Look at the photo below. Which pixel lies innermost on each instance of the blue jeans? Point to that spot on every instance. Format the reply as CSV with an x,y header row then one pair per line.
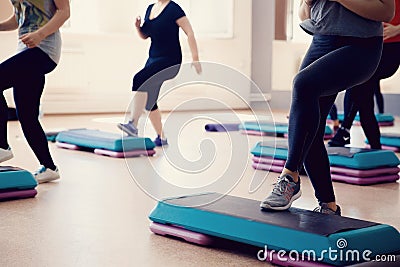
x,y
332,64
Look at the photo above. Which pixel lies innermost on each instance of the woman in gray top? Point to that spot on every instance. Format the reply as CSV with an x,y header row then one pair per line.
x,y
345,51
38,53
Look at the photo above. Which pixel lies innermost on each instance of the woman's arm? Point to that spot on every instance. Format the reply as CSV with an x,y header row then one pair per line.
x,y
138,29
390,30
379,10
62,14
9,24
304,10
184,23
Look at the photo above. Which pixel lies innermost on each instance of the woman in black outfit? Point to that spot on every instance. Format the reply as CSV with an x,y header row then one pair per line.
x,y
161,23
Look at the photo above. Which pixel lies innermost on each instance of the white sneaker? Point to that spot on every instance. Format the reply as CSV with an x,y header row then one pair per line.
x,y
5,154
44,175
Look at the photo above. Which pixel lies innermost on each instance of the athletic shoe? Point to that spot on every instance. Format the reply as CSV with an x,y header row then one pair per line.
x,y
323,208
128,128
44,175
160,142
284,193
341,138
5,154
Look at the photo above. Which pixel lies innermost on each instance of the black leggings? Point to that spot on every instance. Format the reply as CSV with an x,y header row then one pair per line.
x,y
331,65
361,98
25,73
153,75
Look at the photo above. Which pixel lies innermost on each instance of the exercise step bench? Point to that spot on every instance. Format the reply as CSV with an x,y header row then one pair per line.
x,y
350,165
105,143
273,129
202,218
16,183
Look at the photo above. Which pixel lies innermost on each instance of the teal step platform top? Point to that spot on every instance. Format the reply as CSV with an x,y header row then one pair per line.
x,y
16,178
380,117
294,231
270,127
104,140
350,157
389,139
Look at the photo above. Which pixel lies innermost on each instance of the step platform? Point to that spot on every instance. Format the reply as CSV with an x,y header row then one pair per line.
x,y
384,119
273,129
295,231
390,141
224,127
16,183
105,143
351,165
51,135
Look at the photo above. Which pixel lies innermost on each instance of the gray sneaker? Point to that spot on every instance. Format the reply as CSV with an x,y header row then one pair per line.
x,y
128,128
44,175
284,193
323,208
5,154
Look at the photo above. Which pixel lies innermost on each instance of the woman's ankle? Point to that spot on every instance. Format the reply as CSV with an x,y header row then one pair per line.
x,y
294,175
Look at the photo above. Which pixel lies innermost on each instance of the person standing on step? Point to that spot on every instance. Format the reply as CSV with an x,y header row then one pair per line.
x,y
161,23
38,52
345,51
361,97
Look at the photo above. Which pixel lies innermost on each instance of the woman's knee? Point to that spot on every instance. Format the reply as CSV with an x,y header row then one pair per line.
x,y
303,87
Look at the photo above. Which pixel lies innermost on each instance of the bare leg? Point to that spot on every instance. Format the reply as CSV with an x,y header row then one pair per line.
x,y
155,118
138,106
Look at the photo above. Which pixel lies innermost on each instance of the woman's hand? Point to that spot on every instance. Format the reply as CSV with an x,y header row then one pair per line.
x,y
138,22
32,39
390,30
197,66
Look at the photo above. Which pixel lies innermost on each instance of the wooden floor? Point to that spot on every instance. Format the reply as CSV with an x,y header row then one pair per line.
x,y
97,213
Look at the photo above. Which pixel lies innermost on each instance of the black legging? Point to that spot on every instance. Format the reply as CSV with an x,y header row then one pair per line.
x,y
153,75
25,73
331,64
361,98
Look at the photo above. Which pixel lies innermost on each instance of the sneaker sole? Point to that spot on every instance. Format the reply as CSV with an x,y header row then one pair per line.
x,y
268,207
126,130
47,180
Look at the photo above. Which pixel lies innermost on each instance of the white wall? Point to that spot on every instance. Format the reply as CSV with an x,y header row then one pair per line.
x,y
96,69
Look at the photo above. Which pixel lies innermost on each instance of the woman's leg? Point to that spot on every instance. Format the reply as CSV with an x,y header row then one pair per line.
x,y
11,71
14,70
363,95
342,68
349,63
317,159
342,136
379,99
388,66
137,109
27,93
155,118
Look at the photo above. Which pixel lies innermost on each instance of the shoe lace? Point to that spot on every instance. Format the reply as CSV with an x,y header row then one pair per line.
x,y
281,186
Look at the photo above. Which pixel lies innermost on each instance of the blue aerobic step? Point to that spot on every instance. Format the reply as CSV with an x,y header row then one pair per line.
x,y
16,178
332,239
270,127
104,140
390,139
385,117
354,158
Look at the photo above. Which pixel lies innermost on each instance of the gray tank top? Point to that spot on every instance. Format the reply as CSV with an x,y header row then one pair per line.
x,y
331,18
32,15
